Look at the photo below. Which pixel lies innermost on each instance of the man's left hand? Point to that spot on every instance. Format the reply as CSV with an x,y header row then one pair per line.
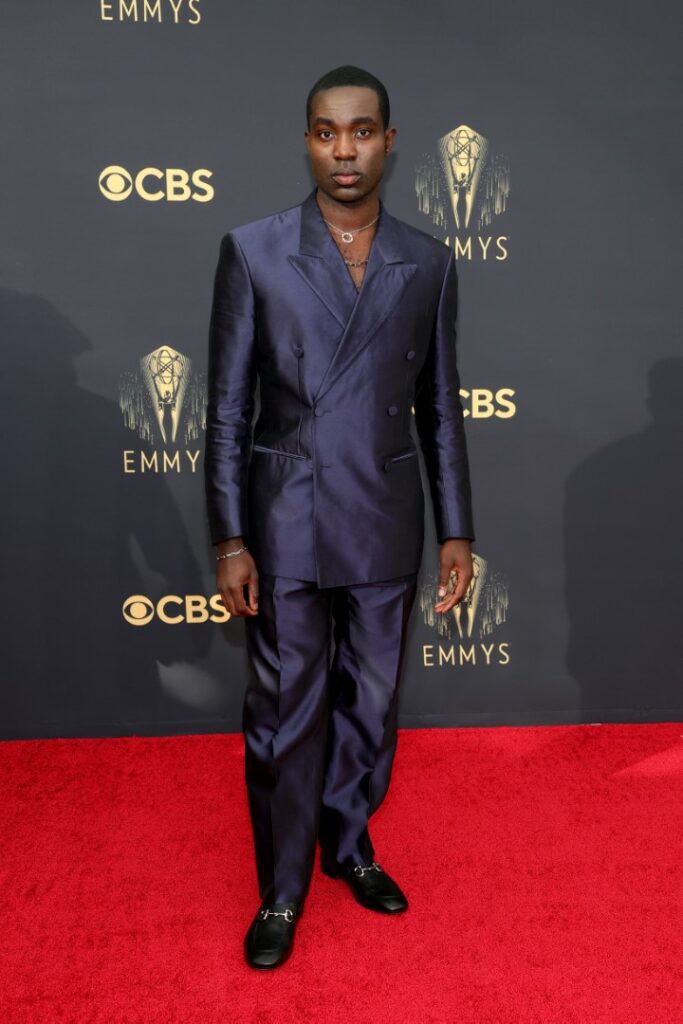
x,y
455,556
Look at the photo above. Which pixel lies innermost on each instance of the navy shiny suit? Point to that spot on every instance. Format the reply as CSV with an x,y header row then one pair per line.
x,y
328,495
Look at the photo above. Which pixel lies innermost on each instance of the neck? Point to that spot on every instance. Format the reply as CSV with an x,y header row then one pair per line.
x,y
353,214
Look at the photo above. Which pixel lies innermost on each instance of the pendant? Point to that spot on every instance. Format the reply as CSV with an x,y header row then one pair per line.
x,y
346,236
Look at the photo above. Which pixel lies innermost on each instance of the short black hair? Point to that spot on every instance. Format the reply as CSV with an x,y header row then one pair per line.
x,y
347,74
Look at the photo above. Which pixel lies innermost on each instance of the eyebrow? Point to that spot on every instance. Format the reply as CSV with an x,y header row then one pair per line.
x,y
354,120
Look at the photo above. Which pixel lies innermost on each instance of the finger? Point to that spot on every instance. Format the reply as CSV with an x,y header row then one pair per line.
x,y
461,587
448,602
456,595
227,601
237,594
444,580
445,605
252,585
254,591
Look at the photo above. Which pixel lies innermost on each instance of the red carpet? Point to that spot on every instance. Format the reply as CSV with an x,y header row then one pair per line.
x,y
543,866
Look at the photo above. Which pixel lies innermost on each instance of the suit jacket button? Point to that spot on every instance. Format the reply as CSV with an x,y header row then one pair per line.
x,y
318,411
392,410
410,354
298,351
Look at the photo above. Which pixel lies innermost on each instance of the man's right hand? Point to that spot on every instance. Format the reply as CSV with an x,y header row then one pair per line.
x,y
231,576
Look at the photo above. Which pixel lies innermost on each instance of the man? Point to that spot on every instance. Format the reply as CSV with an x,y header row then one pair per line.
x,y
346,315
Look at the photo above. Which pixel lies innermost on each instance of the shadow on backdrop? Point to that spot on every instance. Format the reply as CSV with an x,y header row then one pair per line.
x,y
79,537
624,510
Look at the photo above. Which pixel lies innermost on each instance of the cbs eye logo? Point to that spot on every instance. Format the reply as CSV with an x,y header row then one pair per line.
x,y
173,184
138,610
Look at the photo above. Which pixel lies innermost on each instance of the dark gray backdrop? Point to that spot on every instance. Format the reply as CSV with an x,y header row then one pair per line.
x,y
577,496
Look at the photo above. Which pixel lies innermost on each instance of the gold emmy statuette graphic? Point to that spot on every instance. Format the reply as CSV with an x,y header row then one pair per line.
x,y
464,185
463,156
166,373
164,391
484,606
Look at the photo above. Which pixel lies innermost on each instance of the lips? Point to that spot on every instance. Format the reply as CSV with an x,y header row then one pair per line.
x,y
346,179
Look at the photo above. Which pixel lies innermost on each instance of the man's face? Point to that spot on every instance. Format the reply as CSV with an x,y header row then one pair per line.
x,y
347,143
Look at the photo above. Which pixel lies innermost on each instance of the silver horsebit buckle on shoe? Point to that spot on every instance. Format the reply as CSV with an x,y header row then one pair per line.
x,y
358,870
287,914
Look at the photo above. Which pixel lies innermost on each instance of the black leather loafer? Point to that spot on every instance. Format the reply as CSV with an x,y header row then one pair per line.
x,y
268,942
372,887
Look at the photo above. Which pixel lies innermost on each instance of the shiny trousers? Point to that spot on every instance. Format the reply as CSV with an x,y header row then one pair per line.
x,y
320,731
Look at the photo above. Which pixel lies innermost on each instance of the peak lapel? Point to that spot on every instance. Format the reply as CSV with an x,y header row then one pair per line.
x,y
319,261
360,313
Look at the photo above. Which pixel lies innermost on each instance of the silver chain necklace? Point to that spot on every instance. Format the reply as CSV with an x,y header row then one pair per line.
x,y
346,236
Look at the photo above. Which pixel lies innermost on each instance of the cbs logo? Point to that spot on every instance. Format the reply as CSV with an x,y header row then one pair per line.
x,y
174,184
138,610
480,403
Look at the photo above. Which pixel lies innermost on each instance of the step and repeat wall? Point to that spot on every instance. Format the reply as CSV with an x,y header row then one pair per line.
x,y
541,143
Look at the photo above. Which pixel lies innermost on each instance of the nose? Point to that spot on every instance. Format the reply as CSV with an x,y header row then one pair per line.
x,y
345,146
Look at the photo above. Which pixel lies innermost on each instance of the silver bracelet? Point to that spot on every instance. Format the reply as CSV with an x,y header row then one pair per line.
x,y
229,554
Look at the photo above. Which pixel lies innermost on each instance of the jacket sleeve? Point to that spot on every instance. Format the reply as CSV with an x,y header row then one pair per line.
x,y
230,401
440,422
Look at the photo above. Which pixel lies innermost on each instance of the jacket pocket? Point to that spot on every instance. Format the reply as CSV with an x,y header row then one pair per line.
x,y
393,459
277,451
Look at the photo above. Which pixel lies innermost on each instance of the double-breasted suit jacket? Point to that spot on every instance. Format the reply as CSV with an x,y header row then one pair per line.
x,y
326,485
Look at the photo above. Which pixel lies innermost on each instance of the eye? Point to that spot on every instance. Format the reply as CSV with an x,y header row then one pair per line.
x,y
325,131
368,130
